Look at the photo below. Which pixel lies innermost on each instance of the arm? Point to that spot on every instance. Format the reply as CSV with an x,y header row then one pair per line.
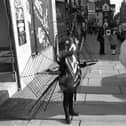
x,y
65,53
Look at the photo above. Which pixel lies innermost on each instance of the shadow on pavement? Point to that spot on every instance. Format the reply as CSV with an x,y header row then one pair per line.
x,y
20,108
15,109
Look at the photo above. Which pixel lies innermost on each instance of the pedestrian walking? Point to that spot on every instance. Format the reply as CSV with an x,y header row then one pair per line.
x,y
112,38
113,43
100,38
83,31
69,79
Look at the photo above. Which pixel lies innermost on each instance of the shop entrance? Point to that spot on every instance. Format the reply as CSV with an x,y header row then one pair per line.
x,y
7,53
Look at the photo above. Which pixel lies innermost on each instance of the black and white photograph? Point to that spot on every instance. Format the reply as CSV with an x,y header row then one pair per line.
x,y
62,62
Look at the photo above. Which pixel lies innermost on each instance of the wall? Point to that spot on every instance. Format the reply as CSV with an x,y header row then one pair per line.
x,y
4,32
27,64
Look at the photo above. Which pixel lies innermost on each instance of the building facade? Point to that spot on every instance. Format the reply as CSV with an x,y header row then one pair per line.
x,y
31,26
123,12
106,9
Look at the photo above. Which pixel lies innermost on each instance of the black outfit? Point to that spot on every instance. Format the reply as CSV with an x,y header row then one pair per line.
x,y
68,94
100,38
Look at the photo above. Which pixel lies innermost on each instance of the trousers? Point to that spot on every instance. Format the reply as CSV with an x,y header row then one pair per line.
x,y
68,103
102,50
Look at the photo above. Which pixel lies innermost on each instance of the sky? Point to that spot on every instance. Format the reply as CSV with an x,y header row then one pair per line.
x,y
118,4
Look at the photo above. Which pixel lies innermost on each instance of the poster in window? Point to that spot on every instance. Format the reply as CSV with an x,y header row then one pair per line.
x,y
42,29
20,21
30,20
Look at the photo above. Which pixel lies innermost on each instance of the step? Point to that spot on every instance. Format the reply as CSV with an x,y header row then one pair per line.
x,y
7,77
4,95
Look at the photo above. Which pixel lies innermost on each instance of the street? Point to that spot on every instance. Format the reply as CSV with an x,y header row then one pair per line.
x,y
101,97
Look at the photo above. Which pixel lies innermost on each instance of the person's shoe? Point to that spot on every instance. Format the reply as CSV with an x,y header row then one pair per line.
x,y
73,113
68,120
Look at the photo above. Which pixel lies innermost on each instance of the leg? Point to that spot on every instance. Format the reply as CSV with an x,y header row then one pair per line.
x,y
71,108
66,107
102,47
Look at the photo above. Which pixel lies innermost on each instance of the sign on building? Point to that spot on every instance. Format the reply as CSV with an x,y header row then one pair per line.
x,y
105,7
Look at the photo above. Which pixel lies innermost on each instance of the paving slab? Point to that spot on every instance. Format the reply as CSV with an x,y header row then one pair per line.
x,y
94,76
14,123
119,65
81,97
84,82
34,123
101,111
96,82
103,123
102,73
106,81
99,89
123,90
86,117
123,78
57,97
54,111
109,72
122,71
104,65
111,81
58,123
107,98
26,93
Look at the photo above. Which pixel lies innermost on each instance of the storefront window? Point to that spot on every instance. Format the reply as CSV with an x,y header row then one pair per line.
x,y
41,18
20,22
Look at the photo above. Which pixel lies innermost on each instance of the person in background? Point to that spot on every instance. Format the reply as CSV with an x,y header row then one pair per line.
x,y
113,43
112,38
100,38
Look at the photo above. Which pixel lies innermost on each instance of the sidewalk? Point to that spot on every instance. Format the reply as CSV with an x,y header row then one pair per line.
x,y
101,100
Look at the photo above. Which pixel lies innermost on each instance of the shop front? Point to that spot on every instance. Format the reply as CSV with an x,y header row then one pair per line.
x,y
32,27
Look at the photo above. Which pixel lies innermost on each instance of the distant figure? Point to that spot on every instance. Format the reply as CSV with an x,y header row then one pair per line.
x,y
100,38
113,41
84,31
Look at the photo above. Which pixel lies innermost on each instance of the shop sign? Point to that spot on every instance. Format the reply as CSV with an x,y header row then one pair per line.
x,y
105,7
108,32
